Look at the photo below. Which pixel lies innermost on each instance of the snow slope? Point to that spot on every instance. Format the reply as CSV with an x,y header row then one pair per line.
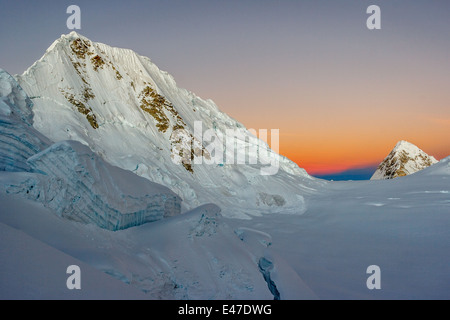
x,y
31,269
19,140
68,177
401,225
135,117
404,159
57,199
192,256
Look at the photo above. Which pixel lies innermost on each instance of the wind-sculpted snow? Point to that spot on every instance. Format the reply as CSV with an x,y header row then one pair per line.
x,y
191,256
31,269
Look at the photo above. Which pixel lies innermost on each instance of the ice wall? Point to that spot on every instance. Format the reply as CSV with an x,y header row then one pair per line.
x,y
19,140
68,177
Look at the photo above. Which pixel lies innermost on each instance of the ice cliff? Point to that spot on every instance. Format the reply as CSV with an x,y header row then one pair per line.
x,y
68,177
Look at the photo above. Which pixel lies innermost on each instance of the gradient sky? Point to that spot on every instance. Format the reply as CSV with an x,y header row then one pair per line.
x,y
341,95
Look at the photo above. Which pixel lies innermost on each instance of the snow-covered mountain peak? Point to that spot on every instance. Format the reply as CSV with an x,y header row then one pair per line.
x,y
405,145
134,116
67,176
69,37
404,159
73,34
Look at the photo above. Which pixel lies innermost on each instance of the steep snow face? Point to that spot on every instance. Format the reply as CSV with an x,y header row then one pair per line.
x,y
68,177
19,140
192,256
134,116
404,159
23,257
400,225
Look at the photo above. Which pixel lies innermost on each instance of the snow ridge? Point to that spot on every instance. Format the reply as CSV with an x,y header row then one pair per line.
x,y
135,117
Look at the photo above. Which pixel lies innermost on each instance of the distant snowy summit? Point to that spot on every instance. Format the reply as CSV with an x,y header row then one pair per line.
x,y
404,159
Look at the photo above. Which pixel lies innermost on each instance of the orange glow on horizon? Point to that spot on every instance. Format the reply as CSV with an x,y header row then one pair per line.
x,y
328,157
337,153
338,116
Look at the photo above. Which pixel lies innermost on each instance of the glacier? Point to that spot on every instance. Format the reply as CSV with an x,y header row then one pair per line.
x,y
81,186
18,283
19,140
191,256
68,177
134,116
86,161
63,201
